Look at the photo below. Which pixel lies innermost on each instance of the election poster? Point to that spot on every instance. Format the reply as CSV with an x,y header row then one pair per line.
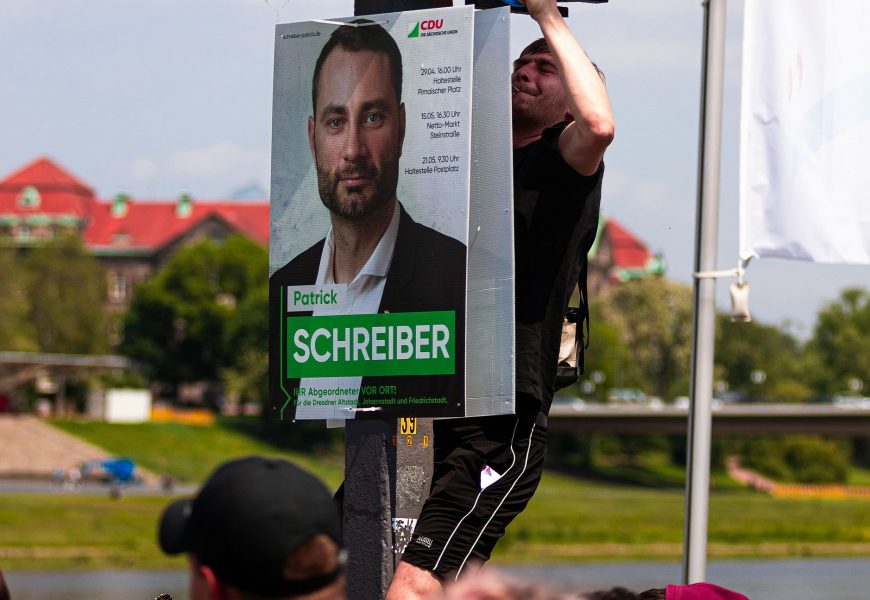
x,y
370,213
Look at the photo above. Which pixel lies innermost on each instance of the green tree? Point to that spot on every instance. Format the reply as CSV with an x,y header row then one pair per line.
x,y
609,355
16,330
177,323
841,341
801,459
246,344
776,356
67,289
654,320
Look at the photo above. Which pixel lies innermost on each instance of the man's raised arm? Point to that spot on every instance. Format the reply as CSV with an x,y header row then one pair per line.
x,y
583,142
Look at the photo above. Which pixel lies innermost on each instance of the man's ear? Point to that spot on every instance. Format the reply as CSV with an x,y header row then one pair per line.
x,y
216,590
401,127
311,134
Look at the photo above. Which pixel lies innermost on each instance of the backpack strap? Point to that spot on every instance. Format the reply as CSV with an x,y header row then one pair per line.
x,y
583,320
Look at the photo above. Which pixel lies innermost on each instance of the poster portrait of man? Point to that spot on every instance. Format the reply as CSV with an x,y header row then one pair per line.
x,y
369,318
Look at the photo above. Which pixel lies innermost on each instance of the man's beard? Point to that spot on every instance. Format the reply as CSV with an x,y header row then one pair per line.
x,y
536,112
358,203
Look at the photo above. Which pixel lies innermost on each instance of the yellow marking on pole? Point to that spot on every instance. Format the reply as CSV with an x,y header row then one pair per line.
x,y
408,425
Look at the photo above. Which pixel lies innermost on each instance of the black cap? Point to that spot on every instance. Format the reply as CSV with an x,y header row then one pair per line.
x,y
247,519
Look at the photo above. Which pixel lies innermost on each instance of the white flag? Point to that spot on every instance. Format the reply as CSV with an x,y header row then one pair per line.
x,y
805,131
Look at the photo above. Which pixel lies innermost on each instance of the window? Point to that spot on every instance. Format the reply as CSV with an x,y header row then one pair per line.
x,y
118,287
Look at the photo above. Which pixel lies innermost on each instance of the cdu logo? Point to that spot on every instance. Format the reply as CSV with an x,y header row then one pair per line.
x,y
427,25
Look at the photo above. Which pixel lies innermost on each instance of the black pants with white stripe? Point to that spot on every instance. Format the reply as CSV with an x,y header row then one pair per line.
x,y
486,471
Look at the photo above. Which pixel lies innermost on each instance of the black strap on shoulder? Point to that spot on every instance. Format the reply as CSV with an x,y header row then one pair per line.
x,y
583,320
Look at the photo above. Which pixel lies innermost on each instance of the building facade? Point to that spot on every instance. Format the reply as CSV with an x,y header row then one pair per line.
x,y
131,237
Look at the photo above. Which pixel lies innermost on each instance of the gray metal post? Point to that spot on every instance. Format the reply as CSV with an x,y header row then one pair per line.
x,y
704,307
388,467
370,474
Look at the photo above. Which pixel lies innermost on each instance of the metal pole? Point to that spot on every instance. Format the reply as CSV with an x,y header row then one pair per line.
x,y
370,476
704,307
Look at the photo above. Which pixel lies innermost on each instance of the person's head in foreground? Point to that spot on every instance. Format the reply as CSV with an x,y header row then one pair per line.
x,y
696,591
4,591
489,584
258,528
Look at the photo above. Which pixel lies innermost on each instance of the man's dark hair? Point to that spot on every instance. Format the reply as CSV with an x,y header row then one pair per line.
x,y
540,46
314,558
617,593
362,34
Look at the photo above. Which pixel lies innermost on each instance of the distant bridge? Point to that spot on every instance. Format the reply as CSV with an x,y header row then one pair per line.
x,y
728,419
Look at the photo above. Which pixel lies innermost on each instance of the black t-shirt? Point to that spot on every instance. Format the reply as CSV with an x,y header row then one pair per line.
x,y
555,221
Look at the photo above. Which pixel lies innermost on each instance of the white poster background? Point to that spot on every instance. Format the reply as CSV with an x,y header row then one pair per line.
x,y
805,131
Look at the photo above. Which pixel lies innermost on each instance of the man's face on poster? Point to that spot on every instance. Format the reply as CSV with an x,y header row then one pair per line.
x,y
356,133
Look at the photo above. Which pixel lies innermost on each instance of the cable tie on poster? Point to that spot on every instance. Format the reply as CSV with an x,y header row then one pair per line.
x,y
350,23
365,409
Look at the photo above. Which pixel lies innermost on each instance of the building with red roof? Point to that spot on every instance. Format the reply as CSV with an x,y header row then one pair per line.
x,y
618,256
132,237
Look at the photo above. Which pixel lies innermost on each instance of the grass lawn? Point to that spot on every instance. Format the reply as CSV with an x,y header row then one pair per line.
x,y
569,519
81,532
859,477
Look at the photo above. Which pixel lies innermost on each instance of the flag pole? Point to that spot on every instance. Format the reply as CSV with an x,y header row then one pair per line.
x,y
704,294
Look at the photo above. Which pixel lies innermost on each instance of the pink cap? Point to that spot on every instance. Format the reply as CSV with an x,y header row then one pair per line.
x,y
701,591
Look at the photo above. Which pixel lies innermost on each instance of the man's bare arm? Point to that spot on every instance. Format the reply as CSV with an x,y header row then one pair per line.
x,y
583,142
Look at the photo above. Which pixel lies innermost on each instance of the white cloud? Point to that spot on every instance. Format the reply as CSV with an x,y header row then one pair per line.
x,y
16,9
652,196
656,55
213,160
144,169
639,195
211,171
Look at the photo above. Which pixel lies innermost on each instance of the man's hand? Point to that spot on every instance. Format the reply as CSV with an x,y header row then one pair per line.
x,y
538,9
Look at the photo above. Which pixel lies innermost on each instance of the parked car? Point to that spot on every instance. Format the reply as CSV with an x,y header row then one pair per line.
x,y
843,401
626,396
572,402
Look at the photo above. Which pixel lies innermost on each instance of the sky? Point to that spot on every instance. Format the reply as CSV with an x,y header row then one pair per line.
x,y
157,97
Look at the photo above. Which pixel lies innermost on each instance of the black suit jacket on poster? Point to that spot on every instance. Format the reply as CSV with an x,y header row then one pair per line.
x,y
427,273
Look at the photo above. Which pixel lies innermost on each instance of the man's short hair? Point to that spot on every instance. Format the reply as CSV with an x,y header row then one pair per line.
x,y
258,523
313,558
540,46
361,35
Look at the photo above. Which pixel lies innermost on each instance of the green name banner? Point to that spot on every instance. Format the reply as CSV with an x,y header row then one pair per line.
x,y
411,343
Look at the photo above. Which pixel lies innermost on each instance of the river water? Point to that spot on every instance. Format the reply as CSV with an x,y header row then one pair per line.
x,y
823,579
